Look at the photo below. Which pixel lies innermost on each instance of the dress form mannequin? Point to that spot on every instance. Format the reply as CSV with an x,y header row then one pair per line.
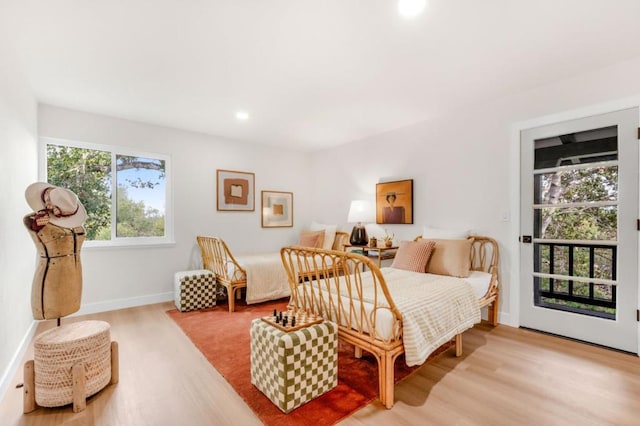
x,y
56,290
56,229
72,361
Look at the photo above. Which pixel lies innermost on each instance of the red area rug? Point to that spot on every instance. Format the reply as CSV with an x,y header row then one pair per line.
x,y
223,338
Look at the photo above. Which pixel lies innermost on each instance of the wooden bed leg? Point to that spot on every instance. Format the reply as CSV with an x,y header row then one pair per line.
x,y
385,378
389,385
459,344
231,296
493,311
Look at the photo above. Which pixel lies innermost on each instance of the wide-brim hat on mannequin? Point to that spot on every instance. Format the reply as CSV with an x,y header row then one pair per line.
x,y
63,206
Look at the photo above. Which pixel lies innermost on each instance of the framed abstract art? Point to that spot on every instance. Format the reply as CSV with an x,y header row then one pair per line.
x,y
235,191
277,209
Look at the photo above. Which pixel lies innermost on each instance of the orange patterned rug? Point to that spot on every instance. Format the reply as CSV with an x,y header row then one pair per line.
x,y
223,338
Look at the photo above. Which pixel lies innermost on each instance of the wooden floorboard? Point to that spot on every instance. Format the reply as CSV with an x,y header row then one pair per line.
x,y
506,376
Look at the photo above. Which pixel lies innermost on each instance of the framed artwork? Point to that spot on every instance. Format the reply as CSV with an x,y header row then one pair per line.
x,y
235,191
277,209
394,202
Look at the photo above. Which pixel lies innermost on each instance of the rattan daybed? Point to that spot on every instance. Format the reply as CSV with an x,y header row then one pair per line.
x,y
231,271
362,305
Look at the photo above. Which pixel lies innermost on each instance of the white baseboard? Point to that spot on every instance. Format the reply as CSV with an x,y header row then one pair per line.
x,y
506,319
91,308
114,305
16,361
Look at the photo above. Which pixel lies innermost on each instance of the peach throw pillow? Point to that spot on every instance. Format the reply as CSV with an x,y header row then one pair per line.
x,y
413,255
313,239
451,257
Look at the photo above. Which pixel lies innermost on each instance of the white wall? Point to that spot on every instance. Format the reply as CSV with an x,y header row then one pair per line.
x,y
18,168
118,277
465,163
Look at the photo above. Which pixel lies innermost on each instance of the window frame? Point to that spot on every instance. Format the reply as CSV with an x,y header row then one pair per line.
x,y
113,150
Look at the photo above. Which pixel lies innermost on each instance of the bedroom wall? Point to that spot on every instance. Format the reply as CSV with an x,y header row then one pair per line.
x,y
465,163
18,161
120,277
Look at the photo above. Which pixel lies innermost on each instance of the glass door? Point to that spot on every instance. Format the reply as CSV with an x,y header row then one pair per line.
x,y
579,238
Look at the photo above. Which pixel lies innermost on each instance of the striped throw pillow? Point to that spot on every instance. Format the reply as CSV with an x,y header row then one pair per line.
x,y
413,255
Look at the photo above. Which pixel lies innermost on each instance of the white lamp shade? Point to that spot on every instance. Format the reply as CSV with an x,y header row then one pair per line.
x,y
360,211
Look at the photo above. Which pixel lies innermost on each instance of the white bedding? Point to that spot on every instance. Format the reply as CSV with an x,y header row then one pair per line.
x,y
479,281
425,328
266,277
434,309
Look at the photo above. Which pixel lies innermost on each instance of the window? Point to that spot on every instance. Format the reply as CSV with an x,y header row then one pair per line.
x,y
126,194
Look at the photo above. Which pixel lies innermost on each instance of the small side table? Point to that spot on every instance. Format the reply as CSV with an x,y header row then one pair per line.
x,y
382,253
293,368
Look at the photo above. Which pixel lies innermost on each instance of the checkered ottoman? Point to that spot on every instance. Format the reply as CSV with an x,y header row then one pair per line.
x,y
293,368
194,290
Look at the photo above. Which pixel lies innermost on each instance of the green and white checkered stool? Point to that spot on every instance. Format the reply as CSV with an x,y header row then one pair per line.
x,y
194,290
293,368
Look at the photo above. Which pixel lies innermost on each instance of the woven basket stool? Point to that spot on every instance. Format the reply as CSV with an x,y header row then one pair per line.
x,y
71,363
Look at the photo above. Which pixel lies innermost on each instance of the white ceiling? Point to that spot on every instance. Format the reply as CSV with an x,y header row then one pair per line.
x,y
311,73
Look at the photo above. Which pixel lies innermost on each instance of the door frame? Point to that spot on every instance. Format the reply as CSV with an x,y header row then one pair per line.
x,y
512,317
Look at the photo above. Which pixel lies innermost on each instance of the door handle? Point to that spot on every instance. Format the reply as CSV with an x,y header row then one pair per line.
x,y
526,239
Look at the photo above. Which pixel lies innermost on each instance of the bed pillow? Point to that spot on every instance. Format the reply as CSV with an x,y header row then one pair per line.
x,y
451,257
413,255
442,234
329,233
313,239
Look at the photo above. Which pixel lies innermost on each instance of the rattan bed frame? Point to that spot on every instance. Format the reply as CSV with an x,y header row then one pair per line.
x,y
217,257
355,325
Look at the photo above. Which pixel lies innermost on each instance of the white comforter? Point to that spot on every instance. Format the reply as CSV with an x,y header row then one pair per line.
x,y
266,277
434,309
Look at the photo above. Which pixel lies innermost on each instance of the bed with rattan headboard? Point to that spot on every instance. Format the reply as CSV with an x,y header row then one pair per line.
x,y
373,311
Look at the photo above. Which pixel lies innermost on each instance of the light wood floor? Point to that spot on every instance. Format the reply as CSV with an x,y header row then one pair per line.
x,y
506,376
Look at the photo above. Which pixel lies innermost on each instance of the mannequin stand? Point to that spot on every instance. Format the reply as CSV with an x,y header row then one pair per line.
x,y
72,362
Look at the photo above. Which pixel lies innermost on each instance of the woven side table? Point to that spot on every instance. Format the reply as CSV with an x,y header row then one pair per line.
x,y
71,363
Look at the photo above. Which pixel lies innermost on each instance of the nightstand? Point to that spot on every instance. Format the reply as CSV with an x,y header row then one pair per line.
x,y
381,253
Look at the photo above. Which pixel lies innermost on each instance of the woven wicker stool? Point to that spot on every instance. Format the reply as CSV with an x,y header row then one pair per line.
x,y
72,362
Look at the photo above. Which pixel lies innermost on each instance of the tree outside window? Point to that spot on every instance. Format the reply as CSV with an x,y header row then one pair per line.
x,y
135,210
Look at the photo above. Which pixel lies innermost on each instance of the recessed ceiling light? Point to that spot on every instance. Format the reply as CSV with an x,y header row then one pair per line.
x,y
411,8
242,115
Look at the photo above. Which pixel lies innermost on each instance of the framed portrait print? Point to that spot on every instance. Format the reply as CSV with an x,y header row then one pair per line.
x,y
235,191
277,209
394,202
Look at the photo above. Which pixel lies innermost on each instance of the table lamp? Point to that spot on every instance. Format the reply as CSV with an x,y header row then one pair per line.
x,y
360,211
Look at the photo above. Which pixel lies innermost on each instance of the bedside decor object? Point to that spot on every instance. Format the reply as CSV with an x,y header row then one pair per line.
x,y
277,209
360,211
394,202
388,238
235,191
